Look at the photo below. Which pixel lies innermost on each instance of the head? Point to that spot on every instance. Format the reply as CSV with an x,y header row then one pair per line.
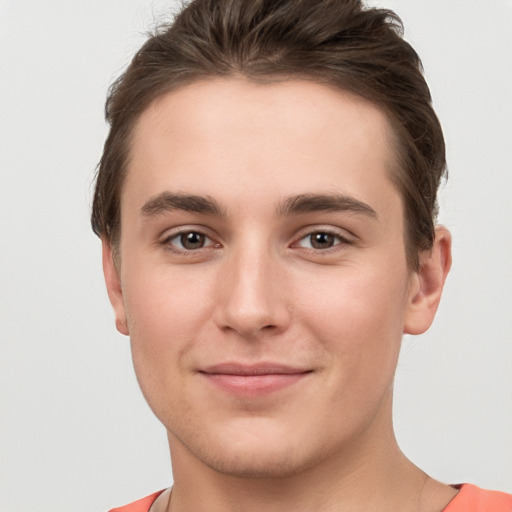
x,y
266,201
335,42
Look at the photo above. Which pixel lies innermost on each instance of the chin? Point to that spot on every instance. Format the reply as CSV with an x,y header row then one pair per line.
x,y
255,465
257,455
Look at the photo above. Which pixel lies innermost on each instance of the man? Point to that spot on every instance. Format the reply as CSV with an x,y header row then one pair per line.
x,y
266,201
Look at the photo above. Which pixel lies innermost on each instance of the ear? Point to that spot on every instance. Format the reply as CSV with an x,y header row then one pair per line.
x,y
114,288
427,284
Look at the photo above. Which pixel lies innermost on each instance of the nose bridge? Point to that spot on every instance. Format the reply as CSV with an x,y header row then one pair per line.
x,y
251,300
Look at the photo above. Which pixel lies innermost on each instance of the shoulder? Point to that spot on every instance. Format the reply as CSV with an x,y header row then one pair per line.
x,y
142,505
473,499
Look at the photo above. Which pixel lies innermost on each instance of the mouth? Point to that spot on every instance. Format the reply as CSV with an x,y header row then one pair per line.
x,y
254,379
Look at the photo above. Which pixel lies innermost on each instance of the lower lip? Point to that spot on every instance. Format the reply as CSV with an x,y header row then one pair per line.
x,y
254,385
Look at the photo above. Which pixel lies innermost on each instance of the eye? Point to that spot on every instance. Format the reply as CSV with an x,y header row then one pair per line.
x,y
189,241
320,240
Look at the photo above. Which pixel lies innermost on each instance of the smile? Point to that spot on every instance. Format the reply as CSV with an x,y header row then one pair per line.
x,y
253,380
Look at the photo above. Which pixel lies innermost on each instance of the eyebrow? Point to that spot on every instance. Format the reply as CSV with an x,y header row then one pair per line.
x,y
307,203
303,203
167,201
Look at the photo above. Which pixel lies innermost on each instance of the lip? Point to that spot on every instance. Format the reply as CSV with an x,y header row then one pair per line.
x,y
253,380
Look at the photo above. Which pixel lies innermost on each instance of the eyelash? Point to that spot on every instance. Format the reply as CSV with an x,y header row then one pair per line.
x,y
167,242
210,243
338,238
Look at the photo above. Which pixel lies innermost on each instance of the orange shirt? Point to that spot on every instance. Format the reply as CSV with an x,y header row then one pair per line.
x,y
142,505
469,499
473,499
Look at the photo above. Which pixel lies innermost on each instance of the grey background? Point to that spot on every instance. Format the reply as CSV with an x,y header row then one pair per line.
x,y
75,433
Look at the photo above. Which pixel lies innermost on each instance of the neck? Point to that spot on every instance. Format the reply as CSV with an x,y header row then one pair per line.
x,y
394,486
370,474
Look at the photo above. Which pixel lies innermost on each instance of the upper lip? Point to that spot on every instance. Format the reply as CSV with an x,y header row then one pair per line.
x,y
267,368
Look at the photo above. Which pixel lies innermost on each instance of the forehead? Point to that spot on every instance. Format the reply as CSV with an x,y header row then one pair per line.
x,y
231,137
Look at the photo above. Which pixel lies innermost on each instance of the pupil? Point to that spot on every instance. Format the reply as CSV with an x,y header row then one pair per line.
x,y
322,240
192,240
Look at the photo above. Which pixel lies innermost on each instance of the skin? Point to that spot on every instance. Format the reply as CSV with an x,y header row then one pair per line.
x,y
326,292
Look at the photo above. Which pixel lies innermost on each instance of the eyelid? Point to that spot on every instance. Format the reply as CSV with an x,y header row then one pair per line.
x,y
171,234
344,237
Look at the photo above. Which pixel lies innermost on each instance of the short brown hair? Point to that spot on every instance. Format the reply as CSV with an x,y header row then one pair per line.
x,y
336,42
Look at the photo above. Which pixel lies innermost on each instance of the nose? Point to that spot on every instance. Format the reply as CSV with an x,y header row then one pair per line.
x,y
251,298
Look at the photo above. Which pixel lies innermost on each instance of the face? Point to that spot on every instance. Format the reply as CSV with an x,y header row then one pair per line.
x,y
263,277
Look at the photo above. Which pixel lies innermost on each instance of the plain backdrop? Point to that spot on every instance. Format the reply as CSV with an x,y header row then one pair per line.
x,y
76,433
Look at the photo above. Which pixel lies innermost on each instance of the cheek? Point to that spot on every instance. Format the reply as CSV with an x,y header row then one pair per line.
x,y
167,313
165,319
359,320
163,300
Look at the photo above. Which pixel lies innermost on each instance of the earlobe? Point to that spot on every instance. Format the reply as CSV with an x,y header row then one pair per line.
x,y
114,288
427,284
